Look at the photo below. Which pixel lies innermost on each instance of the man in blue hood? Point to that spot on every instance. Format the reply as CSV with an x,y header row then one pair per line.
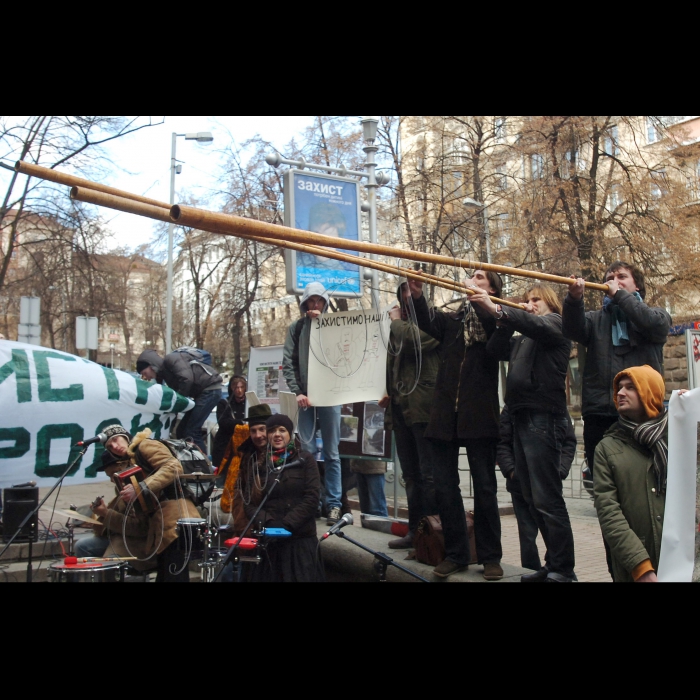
x,y
295,368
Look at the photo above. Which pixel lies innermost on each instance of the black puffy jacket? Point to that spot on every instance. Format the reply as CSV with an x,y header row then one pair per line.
x,y
180,373
538,361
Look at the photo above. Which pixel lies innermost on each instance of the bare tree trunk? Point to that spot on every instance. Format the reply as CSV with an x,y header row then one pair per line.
x,y
236,335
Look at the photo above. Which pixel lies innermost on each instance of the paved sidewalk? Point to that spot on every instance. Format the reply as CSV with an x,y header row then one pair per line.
x,y
589,550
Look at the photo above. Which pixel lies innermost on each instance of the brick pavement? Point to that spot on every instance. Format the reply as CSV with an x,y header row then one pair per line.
x,y
588,543
588,547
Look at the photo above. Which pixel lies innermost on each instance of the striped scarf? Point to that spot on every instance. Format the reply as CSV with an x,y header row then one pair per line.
x,y
473,330
652,435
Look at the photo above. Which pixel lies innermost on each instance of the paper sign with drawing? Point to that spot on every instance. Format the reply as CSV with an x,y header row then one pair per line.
x,y
347,357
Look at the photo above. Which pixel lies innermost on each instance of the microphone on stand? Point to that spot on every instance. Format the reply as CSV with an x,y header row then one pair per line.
x,y
345,520
100,437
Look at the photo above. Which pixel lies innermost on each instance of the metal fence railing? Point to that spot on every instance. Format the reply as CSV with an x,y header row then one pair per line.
x,y
574,486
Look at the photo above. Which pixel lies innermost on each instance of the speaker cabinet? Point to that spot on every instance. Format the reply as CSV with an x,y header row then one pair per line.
x,y
18,503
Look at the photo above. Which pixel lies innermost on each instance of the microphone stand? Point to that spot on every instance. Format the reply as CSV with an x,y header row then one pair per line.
x,y
32,533
382,560
237,563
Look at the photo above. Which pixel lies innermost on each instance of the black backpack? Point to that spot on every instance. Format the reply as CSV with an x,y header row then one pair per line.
x,y
193,461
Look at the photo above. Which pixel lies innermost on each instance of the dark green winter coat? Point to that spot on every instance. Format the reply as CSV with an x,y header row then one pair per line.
x,y
630,512
416,401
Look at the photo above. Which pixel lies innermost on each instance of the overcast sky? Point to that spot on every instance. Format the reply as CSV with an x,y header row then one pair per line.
x,y
142,162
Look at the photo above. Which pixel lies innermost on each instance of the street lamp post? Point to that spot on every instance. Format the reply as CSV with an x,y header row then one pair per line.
x,y
119,360
369,133
111,359
469,202
201,137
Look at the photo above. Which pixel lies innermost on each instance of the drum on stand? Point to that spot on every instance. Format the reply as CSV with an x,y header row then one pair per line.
x,y
87,572
192,537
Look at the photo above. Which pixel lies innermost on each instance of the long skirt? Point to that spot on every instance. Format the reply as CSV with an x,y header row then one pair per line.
x,y
288,561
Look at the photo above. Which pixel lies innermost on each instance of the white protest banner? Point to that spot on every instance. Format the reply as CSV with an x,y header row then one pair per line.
x,y
51,400
347,357
680,541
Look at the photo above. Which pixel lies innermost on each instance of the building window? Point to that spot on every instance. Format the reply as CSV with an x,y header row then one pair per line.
x,y
614,198
503,230
499,129
612,147
658,184
653,133
536,166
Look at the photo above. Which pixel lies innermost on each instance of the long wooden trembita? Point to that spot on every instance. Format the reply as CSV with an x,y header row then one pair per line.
x,y
110,201
231,225
72,181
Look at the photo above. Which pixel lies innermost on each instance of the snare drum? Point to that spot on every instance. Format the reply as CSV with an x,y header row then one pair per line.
x,y
191,536
87,572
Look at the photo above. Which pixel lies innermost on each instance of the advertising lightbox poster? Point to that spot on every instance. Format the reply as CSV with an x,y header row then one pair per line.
x,y
331,206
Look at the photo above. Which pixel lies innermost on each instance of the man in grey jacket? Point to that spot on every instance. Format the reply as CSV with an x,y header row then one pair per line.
x,y
295,367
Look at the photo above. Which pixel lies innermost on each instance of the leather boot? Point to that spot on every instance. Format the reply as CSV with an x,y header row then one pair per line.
x,y
538,577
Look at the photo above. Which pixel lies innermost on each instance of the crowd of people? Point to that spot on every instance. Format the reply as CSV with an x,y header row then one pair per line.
x,y
442,398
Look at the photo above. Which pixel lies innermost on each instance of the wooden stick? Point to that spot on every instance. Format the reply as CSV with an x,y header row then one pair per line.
x,y
82,194
112,201
60,178
228,224
382,267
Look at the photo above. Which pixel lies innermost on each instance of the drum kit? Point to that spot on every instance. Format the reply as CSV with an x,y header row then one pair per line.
x,y
196,538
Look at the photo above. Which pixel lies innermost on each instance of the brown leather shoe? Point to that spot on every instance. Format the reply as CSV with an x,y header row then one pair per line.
x,y
493,572
447,568
402,543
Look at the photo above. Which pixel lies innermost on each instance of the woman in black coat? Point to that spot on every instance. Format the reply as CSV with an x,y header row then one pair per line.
x,y
290,479
230,412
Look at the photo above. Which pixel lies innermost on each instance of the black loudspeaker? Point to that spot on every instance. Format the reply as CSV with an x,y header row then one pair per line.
x,y
18,504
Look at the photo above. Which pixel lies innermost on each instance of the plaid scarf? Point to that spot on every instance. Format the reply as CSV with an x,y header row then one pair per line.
x,y
473,330
652,435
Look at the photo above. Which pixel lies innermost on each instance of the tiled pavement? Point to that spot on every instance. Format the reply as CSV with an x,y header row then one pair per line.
x,y
588,541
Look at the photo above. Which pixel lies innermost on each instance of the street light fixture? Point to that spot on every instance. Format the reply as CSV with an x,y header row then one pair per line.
x,y
473,204
369,132
201,137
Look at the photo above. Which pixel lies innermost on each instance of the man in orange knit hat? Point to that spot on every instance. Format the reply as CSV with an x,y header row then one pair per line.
x,y
630,475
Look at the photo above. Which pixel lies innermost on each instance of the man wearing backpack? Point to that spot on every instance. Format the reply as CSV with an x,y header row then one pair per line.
x,y
185,372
